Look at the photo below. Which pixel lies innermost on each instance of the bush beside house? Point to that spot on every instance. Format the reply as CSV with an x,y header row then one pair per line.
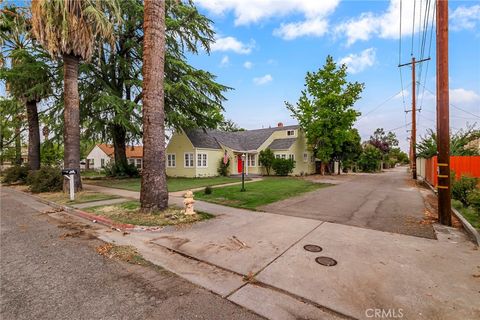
x,y
283,167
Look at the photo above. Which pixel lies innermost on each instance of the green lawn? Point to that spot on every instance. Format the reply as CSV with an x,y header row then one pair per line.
x,y
259,193
80,197
468,213
174,184
128,212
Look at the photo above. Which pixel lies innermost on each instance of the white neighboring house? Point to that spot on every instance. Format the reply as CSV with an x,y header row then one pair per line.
x,y
102,154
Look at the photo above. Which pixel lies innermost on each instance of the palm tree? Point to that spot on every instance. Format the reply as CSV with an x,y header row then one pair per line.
x,y
67,29
27,73
153,192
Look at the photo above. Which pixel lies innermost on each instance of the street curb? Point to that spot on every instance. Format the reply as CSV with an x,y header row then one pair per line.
x,y
93,218
471,231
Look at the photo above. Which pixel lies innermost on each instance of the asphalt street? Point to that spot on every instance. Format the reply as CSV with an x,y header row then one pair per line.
x,y
51,272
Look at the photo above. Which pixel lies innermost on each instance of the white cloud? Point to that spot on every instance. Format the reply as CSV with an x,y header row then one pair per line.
x,y
402,94
263,80
253,11
384,25
465,18
312,27
314,12
232,44
359,62
462,96
225,61
248,65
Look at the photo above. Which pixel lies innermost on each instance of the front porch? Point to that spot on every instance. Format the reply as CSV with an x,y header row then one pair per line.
x,y
245,160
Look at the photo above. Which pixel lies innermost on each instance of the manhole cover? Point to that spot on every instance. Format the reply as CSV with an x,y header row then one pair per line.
x,y
326,261
312,248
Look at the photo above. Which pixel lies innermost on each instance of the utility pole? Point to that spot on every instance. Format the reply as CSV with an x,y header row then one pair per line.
x,y
413,140
443,125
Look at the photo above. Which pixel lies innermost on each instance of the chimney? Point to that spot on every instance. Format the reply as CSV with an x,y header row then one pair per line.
x,y
280,124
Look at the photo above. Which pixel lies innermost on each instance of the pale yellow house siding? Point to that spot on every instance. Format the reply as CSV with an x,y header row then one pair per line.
x,y
298,148
213,162
179,145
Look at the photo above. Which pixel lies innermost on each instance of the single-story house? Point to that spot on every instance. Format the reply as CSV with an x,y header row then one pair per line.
x,y
103,153
198,152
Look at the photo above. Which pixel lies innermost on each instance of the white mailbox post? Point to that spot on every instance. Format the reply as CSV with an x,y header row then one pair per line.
x,y
70,175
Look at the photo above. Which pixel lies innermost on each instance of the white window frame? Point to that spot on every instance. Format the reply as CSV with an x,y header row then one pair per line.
x,y
252,160
292,133
91,163
102,163
305,157
171,160
291,156
131,161
138,161
202,160
190,162
281,156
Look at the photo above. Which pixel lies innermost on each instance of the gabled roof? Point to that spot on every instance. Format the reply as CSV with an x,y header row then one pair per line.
x,y
239,141
132,152
282,144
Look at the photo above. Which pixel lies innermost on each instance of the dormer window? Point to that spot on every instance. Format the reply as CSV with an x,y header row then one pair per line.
x,y
290,132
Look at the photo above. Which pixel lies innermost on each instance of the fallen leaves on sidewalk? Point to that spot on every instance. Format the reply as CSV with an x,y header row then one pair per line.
x,y
77,230
123,253
250,277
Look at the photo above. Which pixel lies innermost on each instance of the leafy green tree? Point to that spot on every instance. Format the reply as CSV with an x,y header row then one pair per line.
x,y
460,143
11,129
325,109
350,150
230,126
266,158
192,97
26,72
370,158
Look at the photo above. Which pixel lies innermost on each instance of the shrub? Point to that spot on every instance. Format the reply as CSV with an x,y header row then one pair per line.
x,y
223,168
208,190
16,174
266,159
283,167
369,160
474,200
47,179
462,188
111,169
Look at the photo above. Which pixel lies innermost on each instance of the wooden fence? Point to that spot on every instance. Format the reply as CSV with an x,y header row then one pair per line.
x,y
460,165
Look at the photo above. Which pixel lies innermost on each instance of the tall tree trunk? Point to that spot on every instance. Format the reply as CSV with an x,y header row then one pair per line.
x,y
119,146
18,145
33,135
71,134
153,192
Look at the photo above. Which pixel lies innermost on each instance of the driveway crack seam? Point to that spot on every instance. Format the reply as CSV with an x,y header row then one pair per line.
x,y
281,254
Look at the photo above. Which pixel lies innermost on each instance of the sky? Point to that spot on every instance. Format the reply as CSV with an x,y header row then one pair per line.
x,y
264,48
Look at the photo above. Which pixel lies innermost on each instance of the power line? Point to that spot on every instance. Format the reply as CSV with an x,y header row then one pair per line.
x,y
451,104
380,105
413,25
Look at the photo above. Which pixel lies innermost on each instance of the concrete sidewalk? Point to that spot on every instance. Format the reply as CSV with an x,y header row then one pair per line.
x,y
258,260
421,278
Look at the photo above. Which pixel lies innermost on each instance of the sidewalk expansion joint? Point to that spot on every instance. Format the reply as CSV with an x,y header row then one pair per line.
x,y
281,254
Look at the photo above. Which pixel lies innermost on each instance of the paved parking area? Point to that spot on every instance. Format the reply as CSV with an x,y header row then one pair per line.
x,y
386,201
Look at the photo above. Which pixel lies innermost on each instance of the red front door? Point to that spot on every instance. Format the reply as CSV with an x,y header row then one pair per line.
x,y
240,163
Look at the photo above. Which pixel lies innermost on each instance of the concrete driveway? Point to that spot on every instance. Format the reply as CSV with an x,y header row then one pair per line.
x,y
386,201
